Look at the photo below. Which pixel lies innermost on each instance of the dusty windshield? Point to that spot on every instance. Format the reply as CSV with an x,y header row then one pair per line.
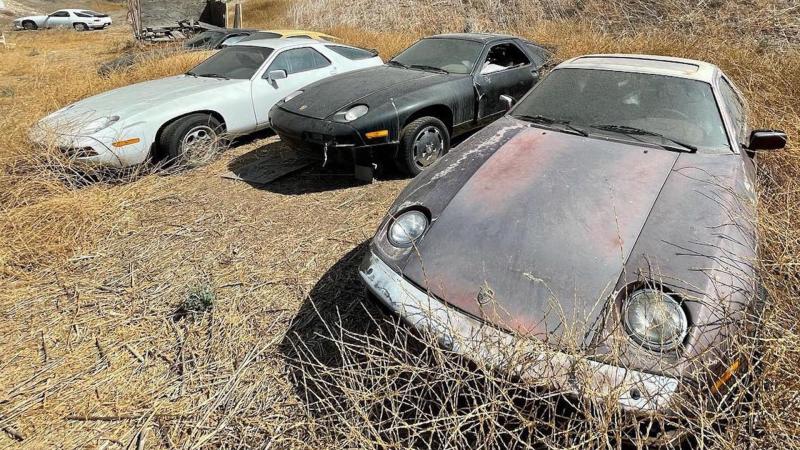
x,y
630,104
450,55
239,62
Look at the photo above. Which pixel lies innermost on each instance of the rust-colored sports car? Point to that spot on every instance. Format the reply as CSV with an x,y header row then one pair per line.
x,y
605,226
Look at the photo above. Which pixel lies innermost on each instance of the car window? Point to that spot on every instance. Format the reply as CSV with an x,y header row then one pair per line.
x,y
678,108
83,14
94,13
299,60
300,36
238,62
735,107
230,40
351,53
540,55
453,55
206,39
503,57
261,35
60,14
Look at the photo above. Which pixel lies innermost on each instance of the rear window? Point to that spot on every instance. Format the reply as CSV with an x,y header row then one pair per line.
x,y
351,52
540,55
261,35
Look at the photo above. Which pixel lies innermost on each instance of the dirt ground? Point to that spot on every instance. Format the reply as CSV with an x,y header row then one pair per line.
x,y
97,347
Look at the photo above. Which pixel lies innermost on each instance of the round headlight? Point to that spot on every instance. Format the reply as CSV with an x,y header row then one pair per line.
x,y
355,112
407,228
655,319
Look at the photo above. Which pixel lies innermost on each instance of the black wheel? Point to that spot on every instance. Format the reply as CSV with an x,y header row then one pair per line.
x,y
193,140
80,27
422,142
29,25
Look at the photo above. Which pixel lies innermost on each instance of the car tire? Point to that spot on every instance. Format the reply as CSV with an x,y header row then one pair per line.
x,y
80,27
422,142
29,25
192,140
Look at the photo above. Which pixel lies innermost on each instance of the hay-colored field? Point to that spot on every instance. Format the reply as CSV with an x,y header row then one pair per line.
x,y
91,354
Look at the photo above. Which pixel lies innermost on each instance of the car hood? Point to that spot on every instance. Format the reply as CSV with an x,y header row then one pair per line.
x,y
324,98
533,229
132,100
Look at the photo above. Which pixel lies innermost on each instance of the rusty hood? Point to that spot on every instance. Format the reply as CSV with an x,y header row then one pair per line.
x,y
532,228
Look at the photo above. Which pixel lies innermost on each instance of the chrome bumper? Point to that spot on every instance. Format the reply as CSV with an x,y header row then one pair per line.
x,y
496,349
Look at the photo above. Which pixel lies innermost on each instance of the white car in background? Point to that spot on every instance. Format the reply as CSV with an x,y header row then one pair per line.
x,y
79,19
185,118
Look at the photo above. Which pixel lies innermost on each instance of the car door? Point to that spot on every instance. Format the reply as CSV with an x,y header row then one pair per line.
x,y
505,70
303,66
58,19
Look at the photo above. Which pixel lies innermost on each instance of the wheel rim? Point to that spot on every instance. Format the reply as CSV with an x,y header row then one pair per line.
x,y
199,145
428,146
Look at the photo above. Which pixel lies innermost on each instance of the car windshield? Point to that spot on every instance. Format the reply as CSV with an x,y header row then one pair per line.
x,y
451,55
640,106
239,62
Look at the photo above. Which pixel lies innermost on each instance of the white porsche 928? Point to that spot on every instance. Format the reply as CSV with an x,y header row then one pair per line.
x,y
186,117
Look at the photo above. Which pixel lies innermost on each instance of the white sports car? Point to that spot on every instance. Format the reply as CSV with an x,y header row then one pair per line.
x,y
79,19
182,118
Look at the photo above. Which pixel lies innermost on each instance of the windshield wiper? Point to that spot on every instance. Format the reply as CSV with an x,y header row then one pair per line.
x,y
544,120
397,63
214,75
681,146
428,68
191,74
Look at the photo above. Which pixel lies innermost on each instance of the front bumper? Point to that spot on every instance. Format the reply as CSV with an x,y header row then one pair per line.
x,y
87,150
557,372
320,135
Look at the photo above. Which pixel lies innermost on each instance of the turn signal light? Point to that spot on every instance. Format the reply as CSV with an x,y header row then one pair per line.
x,y
377,134
119,144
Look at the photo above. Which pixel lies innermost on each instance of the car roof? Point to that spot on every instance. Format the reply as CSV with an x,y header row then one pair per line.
x,y
484,38
652,64
276,43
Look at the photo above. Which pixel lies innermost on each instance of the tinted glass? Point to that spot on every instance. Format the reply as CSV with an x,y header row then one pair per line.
x,y
299,60
261,35
60,14
238,62
206,39
540,55
83,14
94,13
452,55
678,108
351,52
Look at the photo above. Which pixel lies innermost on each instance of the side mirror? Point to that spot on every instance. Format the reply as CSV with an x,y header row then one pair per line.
x,y
767,140
277,75
508,101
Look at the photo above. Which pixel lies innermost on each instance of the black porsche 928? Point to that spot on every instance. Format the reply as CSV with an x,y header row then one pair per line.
x,y
408,109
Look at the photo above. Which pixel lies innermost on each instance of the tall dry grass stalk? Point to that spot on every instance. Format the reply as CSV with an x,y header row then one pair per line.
x,y
188,311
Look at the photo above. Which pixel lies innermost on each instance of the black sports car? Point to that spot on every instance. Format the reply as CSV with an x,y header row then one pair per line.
x,y
409,108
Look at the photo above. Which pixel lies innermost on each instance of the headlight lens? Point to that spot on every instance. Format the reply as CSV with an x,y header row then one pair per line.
x,y
99,124
292,95
655,319
407,228
352,114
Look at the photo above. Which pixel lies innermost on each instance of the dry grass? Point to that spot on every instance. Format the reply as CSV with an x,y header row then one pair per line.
x,y
103,348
